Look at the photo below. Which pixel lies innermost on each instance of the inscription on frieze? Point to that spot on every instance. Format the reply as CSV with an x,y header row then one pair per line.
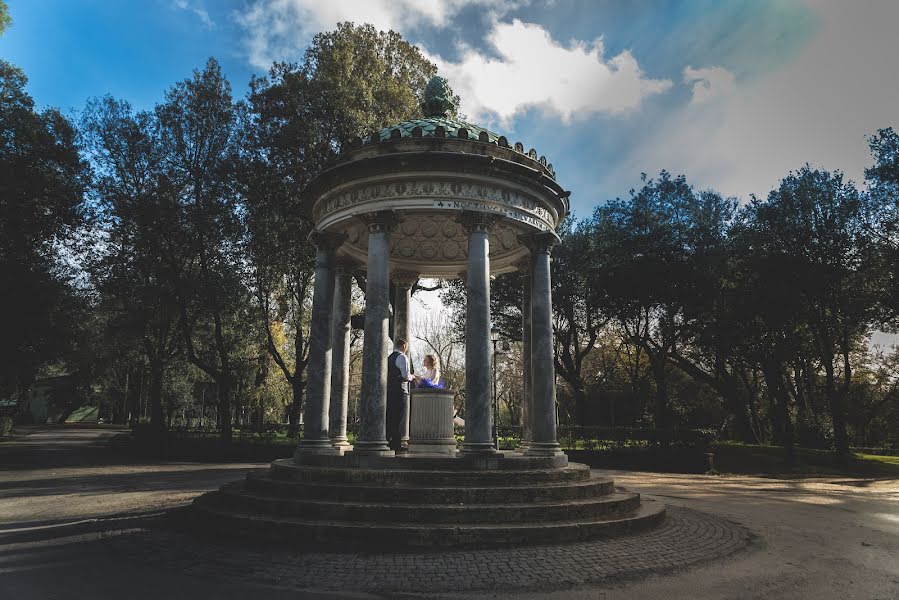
x,y
493,198
491,208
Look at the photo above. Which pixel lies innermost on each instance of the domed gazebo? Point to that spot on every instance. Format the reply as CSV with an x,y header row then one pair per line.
x,y
432,197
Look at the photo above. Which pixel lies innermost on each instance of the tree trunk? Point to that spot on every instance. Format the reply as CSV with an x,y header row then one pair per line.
x,y
738,403
801,402
123,420
783,425
844,391
659,362
580,404
237,402
138,409
774,417
157,415
169,412
840,439
224,407
296,408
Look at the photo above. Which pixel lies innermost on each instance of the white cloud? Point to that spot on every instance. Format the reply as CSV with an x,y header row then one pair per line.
x,y
816,109
281,29
530,69
709,83
533,70
201,13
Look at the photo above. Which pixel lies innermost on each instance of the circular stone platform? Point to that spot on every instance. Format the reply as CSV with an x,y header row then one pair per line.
x,y
475,501
686,538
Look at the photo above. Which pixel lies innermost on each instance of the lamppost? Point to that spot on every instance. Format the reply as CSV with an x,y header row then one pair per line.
x,y
495,338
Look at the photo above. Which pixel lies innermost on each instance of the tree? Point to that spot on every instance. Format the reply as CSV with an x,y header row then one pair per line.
x,y
579,310
644,270
883,184
5,18
200,131
711,327
817,224
137,266
42,181
352,80
771,315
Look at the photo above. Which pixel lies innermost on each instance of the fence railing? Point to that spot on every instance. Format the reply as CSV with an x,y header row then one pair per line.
x,y
570,436
600,438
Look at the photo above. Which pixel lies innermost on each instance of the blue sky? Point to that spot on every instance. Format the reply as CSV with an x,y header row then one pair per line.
x,y
733,94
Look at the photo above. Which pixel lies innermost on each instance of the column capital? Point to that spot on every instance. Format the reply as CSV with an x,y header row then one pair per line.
x,y
326,240
404,279
540,243
474,221
383,220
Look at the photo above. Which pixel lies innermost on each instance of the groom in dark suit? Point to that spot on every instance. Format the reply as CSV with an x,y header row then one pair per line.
x,y
398,377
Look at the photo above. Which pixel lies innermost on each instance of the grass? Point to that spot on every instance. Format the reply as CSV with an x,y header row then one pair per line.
x,y
732,457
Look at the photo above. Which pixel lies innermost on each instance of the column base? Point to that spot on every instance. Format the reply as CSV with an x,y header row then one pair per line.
x,y
341,442
544,449
322,446
479,448
372,448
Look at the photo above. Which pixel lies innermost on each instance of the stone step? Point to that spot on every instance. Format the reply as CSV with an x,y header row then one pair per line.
x,y
310,534
239,499
287,470
430,494
501,461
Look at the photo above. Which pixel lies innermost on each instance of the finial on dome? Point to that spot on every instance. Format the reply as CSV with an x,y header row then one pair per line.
x,y
439,99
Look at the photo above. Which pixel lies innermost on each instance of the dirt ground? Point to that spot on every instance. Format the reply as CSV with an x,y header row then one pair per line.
x,y
61,489
818,538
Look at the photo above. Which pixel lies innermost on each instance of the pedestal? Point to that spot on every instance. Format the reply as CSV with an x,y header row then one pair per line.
x,y
431,422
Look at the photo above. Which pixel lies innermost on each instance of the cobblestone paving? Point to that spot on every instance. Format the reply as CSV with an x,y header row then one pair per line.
x,y
687,538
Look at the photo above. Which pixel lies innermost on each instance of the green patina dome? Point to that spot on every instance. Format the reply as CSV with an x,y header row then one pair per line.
x,y
440,106
429,126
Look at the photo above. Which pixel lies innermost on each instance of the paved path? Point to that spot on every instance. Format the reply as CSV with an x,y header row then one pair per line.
x,y
76,522
63,474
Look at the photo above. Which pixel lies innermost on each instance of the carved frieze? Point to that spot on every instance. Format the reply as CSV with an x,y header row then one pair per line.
x,y
443,195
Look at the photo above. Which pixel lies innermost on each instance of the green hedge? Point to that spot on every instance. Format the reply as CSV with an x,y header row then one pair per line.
x,y
6,424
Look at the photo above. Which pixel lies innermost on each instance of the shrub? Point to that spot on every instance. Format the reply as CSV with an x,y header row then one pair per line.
x,y
6,424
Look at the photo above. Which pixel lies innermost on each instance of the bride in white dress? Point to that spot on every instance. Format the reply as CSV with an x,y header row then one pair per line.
x,y
431,375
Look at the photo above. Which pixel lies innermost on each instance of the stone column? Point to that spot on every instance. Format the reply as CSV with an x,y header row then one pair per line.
x,y
372,438
478,397
543,413
318,386
526,354
401,313
340,361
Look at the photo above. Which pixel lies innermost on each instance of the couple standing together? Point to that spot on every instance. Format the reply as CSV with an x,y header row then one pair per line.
x,y
399,376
